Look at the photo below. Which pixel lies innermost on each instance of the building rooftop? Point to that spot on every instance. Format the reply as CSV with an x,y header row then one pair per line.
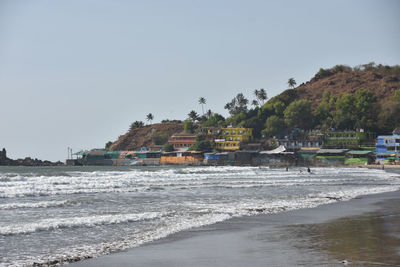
x,y
331,151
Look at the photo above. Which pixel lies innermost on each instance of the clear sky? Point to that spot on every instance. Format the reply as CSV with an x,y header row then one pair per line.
x,y
78,73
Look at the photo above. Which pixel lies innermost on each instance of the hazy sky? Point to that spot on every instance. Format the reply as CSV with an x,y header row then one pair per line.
x,y
78,73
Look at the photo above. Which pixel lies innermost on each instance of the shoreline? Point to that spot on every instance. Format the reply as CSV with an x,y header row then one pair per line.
x,y
265,240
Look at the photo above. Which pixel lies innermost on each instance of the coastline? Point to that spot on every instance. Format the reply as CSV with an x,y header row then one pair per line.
x,y
361,231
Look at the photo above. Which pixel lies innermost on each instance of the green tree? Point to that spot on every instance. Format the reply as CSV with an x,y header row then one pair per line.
x,y
324,112
202,144
136,124
274,126
159,138
209,113
168,147
396,96
193,116
299,115
292,83
389,117
188,126
108,145
237,105
345,115
366,109
202,101
323,116
150,117
215,120
261,96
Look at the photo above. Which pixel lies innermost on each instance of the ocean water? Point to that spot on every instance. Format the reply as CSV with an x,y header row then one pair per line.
x,y
63,214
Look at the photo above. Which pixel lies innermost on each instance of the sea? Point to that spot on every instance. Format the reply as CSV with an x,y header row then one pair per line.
x,y
65,213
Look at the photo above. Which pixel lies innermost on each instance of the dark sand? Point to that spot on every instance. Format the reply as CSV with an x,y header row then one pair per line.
x,y
361,232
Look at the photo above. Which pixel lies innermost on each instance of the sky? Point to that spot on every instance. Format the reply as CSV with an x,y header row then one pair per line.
x,y
78,73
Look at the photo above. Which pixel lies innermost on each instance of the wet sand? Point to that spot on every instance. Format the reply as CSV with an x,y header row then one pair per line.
x,y
361,232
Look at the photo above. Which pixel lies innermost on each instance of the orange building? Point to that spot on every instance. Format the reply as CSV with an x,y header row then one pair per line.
x,y
182,140
192,158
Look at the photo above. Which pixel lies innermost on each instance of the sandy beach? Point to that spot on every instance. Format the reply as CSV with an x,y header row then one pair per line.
x,y
364,231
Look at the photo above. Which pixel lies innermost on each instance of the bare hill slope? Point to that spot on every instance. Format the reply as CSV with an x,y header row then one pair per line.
x,y
136,138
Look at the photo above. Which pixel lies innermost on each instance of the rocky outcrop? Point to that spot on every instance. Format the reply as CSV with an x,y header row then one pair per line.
x,y
146,136
5,161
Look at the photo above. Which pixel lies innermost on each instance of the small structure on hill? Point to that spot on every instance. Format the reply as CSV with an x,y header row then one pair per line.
x,y
182,140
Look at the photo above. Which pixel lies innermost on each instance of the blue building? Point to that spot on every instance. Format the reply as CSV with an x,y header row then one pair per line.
x,y
388,148
388,143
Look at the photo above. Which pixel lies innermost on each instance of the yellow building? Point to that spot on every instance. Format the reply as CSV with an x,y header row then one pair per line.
x,y
231,138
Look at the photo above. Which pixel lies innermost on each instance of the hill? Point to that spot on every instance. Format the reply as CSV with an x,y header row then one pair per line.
x,y
383,81
364,97
149,135
344,98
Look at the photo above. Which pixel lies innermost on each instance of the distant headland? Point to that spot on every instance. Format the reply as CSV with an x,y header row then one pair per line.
x,y
5,161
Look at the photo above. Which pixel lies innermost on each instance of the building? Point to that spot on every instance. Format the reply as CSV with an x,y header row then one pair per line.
x,y
276,157
388,148
182,158
359,157
299,139
300,143
348,139
231,138
210,133
182,140
388,143
218,158
330,157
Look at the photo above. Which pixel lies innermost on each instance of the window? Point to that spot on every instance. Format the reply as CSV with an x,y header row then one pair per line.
x,y
237,138
231,138
240,131
233,132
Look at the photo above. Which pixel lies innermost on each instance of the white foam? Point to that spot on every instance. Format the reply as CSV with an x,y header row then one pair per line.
x,y
89,221
39,204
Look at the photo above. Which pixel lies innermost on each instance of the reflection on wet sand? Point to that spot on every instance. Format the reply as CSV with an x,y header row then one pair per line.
x,y
367,240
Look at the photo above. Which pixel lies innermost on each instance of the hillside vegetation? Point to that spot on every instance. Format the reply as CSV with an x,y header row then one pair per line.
x,y
344,98
365,97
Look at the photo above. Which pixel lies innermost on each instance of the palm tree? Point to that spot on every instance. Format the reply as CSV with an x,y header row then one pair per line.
x,y
261,96
202,101
209,113
291,82
193,116
254,103
150,117
256,93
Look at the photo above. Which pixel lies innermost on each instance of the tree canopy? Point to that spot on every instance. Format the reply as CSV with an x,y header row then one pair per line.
x,y
237,105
